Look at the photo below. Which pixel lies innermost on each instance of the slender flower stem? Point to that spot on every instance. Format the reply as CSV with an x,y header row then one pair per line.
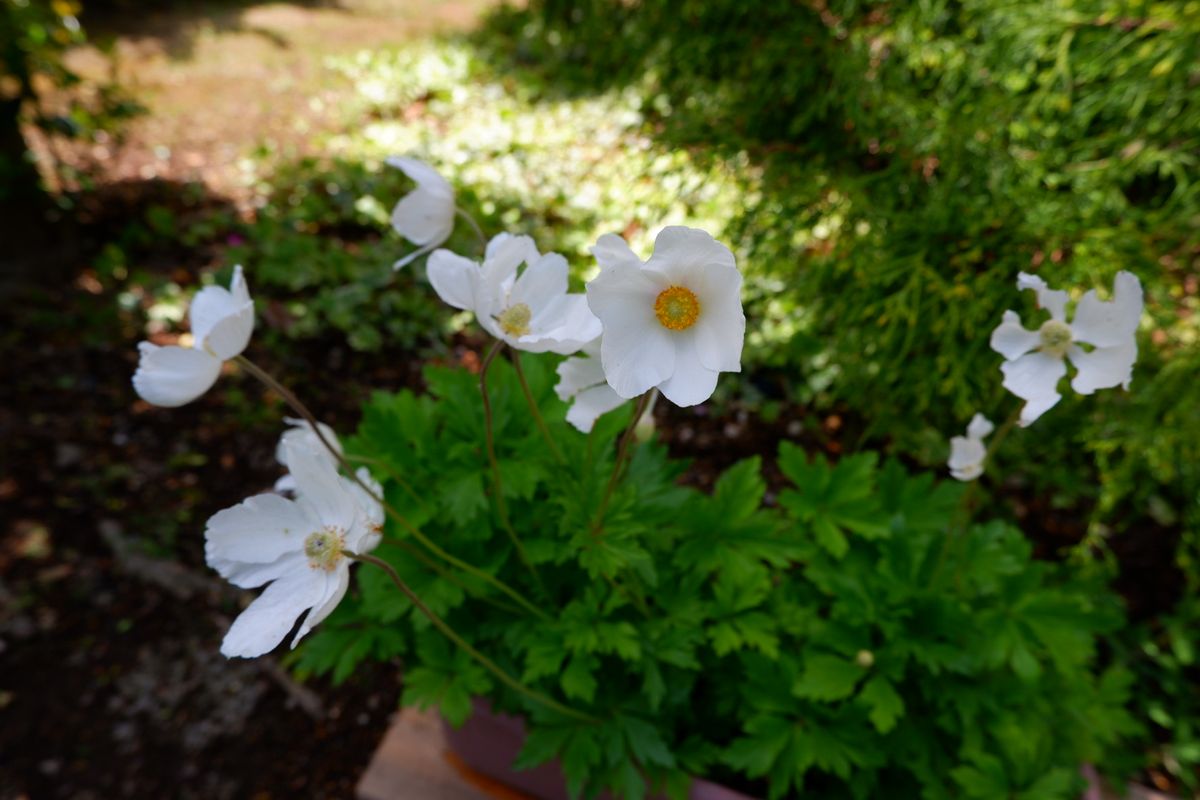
x,y
622,454
267,379
453,636
533,407
474,226
447,575
497,484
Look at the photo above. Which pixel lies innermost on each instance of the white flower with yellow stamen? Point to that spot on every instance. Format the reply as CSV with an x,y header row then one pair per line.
x,y
299,546
530,309
222,321
1100,341
673,322
967,453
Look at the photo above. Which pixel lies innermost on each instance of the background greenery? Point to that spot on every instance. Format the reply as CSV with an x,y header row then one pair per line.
x,y
883,171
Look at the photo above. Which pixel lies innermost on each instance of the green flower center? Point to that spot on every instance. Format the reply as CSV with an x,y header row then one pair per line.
x,y
324,548
515,319
1056,337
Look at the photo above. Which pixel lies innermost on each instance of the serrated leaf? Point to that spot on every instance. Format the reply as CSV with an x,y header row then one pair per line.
x,y
885,704
827,677
578,681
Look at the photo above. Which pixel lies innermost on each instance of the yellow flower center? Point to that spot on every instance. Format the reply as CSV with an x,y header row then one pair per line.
x,y
1056,337
677,308
324,548
515,319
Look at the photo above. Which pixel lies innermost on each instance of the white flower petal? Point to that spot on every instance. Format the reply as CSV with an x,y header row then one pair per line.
x,y
590,403
612,250
172,376
678,251
636,351
222,320
425,216
454,278
1111,324
979,427
366,533
335,587
258,530
542,282
248,575
578,373
413,256
691,382
319,488
299,431
1103,367
262,626
1011,339
564,327
1053,300
966,458
720,330
1034,377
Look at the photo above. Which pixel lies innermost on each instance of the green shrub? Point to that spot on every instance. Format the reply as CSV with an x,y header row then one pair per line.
x,y
856,638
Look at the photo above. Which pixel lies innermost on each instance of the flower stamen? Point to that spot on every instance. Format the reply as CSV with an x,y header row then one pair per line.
x,y
1056,337
677,308
324,548
515,319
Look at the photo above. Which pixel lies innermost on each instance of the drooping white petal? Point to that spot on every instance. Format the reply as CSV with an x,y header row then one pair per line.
x,y
319,488
980,427
637,352
424,216
172,376
679,251
720,330
1103,367
249,575
334,590
1053,300
258,530
1111,324
612,250
262,626
1034,378
578,373
590,404
299,431
1011,339
966,458
691,382
454,278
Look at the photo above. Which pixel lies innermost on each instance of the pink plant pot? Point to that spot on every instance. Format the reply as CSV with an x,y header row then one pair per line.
x,y
489,743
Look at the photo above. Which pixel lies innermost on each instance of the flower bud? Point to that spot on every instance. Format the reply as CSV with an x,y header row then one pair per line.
x,y
865,659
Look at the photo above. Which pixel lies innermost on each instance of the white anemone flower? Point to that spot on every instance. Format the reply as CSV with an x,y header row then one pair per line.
x,y
967,453
222,320
424,216
531,310
301,432
581,381
299,546
1100,341
673,322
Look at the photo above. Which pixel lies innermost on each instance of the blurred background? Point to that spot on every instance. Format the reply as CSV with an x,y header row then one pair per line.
x,y
882,170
